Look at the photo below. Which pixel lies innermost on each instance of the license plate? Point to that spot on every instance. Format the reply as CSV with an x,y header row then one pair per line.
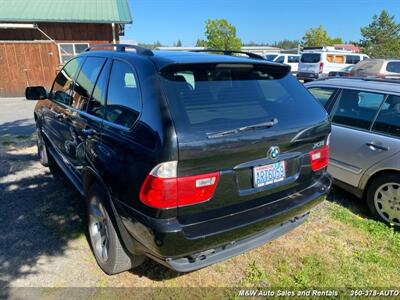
x,y
269,174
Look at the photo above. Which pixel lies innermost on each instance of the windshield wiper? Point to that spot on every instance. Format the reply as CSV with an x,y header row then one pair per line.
x,y
268,124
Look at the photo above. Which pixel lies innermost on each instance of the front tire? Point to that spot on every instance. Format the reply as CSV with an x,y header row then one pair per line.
x,y
106,246
383,198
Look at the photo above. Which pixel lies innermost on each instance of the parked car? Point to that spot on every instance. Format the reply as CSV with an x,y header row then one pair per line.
x,y
365,141
186,158
289,59
381,68
317,62
345,72
271,56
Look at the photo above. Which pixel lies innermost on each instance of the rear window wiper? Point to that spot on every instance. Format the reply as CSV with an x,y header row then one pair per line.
x,y
268,124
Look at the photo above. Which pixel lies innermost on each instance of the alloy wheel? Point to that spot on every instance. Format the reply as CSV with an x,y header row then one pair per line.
x,y
98,230
387,202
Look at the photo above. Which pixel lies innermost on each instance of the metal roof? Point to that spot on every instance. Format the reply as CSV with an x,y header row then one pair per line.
x,y
65,11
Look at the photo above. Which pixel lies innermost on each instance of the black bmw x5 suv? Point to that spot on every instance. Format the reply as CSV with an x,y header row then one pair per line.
x,y
185,158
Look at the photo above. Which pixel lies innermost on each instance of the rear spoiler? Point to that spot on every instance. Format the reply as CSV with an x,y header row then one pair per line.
x,y
278,71
231,53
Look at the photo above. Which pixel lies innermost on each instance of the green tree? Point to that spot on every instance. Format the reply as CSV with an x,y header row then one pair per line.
x,y
286,44
381,38
319,37
334,41
316,37
178,44
221,35
201,43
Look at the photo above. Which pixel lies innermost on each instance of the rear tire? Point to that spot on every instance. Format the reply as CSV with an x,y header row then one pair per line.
x,y
106,246
383,198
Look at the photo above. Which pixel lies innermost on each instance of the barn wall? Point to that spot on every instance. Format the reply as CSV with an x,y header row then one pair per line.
x,y
28,59
61,32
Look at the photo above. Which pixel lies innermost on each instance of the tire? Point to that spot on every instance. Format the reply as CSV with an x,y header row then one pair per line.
x,y
106,246
45,157
383,199
41,147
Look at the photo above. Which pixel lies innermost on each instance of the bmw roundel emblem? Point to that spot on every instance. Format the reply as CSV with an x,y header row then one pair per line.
x,y
273,152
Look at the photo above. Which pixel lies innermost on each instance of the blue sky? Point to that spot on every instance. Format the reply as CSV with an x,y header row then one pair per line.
x,y
263,21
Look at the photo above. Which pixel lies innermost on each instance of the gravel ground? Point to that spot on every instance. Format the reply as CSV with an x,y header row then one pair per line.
x,y
43,239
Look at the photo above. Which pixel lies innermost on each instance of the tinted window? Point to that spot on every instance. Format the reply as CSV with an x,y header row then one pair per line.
x,y
225,97
270,57
85,82
123,103
388,120
352,59
280,59
61,90
357,108
98,99
393,66
323,94
293,59
310,57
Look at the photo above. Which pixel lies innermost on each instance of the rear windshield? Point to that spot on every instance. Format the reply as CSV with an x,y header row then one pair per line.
x,y
310,57
210,98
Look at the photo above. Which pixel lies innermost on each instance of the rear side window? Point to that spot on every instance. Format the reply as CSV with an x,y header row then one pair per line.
x,y
357,108
97,102
388,120
85,82
352,59
293,59
323,94
337,59
393,66
123,101
231,96
310,57
61,90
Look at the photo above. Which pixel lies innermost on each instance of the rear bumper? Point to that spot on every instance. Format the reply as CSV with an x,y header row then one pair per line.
x,y
307,76
189,247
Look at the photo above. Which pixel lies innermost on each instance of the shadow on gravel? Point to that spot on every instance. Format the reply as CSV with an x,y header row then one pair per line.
x,y
24,126
39,214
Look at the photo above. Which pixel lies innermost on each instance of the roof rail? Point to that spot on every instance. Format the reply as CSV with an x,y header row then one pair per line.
x,y
231,52
122,48
377,79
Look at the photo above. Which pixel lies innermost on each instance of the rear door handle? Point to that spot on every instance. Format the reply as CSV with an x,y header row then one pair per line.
x,y
89,132
375,146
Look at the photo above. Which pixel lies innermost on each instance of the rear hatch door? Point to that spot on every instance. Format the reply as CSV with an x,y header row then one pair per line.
x,y
253,123
310,62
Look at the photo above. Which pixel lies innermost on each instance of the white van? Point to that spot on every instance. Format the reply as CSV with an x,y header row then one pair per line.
x,y
318,62
289,59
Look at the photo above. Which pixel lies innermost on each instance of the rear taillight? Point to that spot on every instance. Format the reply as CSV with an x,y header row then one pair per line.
x,y
321,67
163,189
319,158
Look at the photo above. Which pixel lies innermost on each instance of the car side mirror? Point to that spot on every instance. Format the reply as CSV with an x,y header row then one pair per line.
x,y
36,93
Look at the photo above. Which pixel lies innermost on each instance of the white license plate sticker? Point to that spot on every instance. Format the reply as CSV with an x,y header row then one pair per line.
x,y
269,174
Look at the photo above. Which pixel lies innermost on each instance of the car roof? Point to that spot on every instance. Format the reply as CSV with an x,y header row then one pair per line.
x,y
164,58
374,84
